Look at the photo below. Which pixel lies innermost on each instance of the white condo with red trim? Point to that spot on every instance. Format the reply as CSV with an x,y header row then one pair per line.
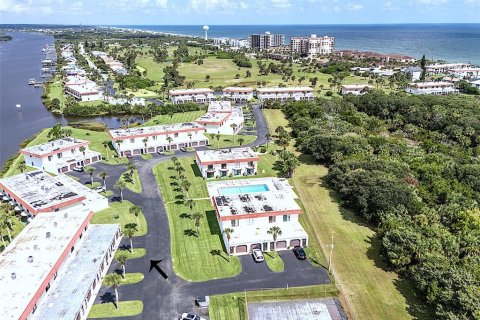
x,y
432,87
285,94
198,95
227,162
82,89
251,207
220,117
60,156
140,140
54,268
356,89
238,94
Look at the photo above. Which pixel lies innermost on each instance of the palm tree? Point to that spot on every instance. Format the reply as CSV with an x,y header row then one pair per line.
x,y
241,141
267,136
197,217
218,140
7,220
190,203
105,145
186,186
169,139
174,160
103,175
22,166
275,231
122,260
145,140
130,166
129,231
120,185
135,210
56,132
113,280
82,150
90,171
228,233
190,136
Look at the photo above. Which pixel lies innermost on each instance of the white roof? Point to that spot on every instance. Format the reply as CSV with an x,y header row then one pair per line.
x,y
446,65
22,279
219,106
55,146
236,154
40,191
430,84
190,91
357,86
118,134
282,90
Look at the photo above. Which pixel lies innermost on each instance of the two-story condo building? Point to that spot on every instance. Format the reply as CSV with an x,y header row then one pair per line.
x,y
36,192
464,72
285,94
153,139
356,89
198,95
82,89
220,118
444,67
238,94
227,162
436,88
55,267
60,156
251,207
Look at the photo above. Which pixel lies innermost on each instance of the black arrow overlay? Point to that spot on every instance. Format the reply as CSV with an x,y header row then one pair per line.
x,y
154,264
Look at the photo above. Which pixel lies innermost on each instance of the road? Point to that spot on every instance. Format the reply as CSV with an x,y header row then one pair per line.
x,y
167,298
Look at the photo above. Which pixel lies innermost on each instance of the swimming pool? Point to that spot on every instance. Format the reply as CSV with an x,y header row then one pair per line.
x,y
243,189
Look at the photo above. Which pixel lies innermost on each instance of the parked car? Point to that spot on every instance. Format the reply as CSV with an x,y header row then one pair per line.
x,y
78,168
183,149
162,153
100,189
258,255
129,156
299,253
189,316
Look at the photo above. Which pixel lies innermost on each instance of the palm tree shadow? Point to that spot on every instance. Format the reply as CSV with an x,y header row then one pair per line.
x,y
108,297
190,232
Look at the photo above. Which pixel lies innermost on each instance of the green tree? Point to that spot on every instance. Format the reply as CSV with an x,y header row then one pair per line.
x,y
113,280
423,64
22,166
90,171
135,210
274,231
234,127
197,217
103,175
56,132
289,162
129,230
241,141
106,147
120,185
122,259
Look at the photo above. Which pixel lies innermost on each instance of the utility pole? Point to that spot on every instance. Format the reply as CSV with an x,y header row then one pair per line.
x,y
330,258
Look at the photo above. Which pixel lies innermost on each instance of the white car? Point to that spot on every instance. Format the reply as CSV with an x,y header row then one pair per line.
x,y
258,255
189,316
78,168
100,189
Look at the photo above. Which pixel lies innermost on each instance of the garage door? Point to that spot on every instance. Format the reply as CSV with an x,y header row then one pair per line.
x,y
256,246
294,243
281,244
94,159
194,144
241,249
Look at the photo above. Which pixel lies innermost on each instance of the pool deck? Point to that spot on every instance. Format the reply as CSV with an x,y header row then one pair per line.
x,y
279,185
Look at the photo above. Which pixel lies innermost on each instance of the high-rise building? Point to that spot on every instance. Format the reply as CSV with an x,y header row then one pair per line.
x,y
266,40
312,45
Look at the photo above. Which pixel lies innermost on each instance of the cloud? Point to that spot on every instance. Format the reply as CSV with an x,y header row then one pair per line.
x,y
472,3
433,2
389,6
218,6
280,4
354,6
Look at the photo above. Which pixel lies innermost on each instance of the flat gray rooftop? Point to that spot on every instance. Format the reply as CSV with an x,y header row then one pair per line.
x,y
321,309
56,145
66,296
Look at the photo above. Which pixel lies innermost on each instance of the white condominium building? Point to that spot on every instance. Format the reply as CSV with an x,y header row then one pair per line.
x,y
251,207
221,117
55,267
82,89
36,192
199,95
227,162
139,140
238,94
285,94
464,72
356,89
60,156
443,68
312,45
436,88
266,40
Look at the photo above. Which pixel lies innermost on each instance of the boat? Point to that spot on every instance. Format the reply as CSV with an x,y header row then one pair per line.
x,y
45,69
19,106
31,81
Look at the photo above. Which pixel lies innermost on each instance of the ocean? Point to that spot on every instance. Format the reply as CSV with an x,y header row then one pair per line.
x,y
449,42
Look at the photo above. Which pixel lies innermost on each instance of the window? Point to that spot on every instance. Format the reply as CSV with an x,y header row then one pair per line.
x,y
73,151
224,166
34,308
132,140
154,137
286,218
73,248
59,155
175,135
235,223
49,159
272,219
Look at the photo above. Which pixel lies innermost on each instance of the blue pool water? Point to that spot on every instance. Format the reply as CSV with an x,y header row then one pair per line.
x,y
243,189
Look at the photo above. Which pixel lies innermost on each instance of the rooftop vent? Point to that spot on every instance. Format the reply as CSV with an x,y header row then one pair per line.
x,y
30,259
35,247
65,215
47,235
55,224
14,276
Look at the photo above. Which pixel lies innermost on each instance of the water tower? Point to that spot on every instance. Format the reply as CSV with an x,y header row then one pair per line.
x,y
205,28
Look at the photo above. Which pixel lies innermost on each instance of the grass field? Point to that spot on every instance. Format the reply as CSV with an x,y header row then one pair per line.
x,y
275,118
118,213
232,306
274,261
206,248
56,92
137,253
108,310
180,117
226,141
131,278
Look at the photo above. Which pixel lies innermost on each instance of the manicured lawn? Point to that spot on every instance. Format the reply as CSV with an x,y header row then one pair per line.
x,y
180,117
108,310
275,118
137,253
131,278
133,183
226,140
372,291
196,257
274,261
146,156
232,306
118,213
56,92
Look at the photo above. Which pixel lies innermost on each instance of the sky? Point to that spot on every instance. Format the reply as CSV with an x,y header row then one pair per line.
x,y
237,12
